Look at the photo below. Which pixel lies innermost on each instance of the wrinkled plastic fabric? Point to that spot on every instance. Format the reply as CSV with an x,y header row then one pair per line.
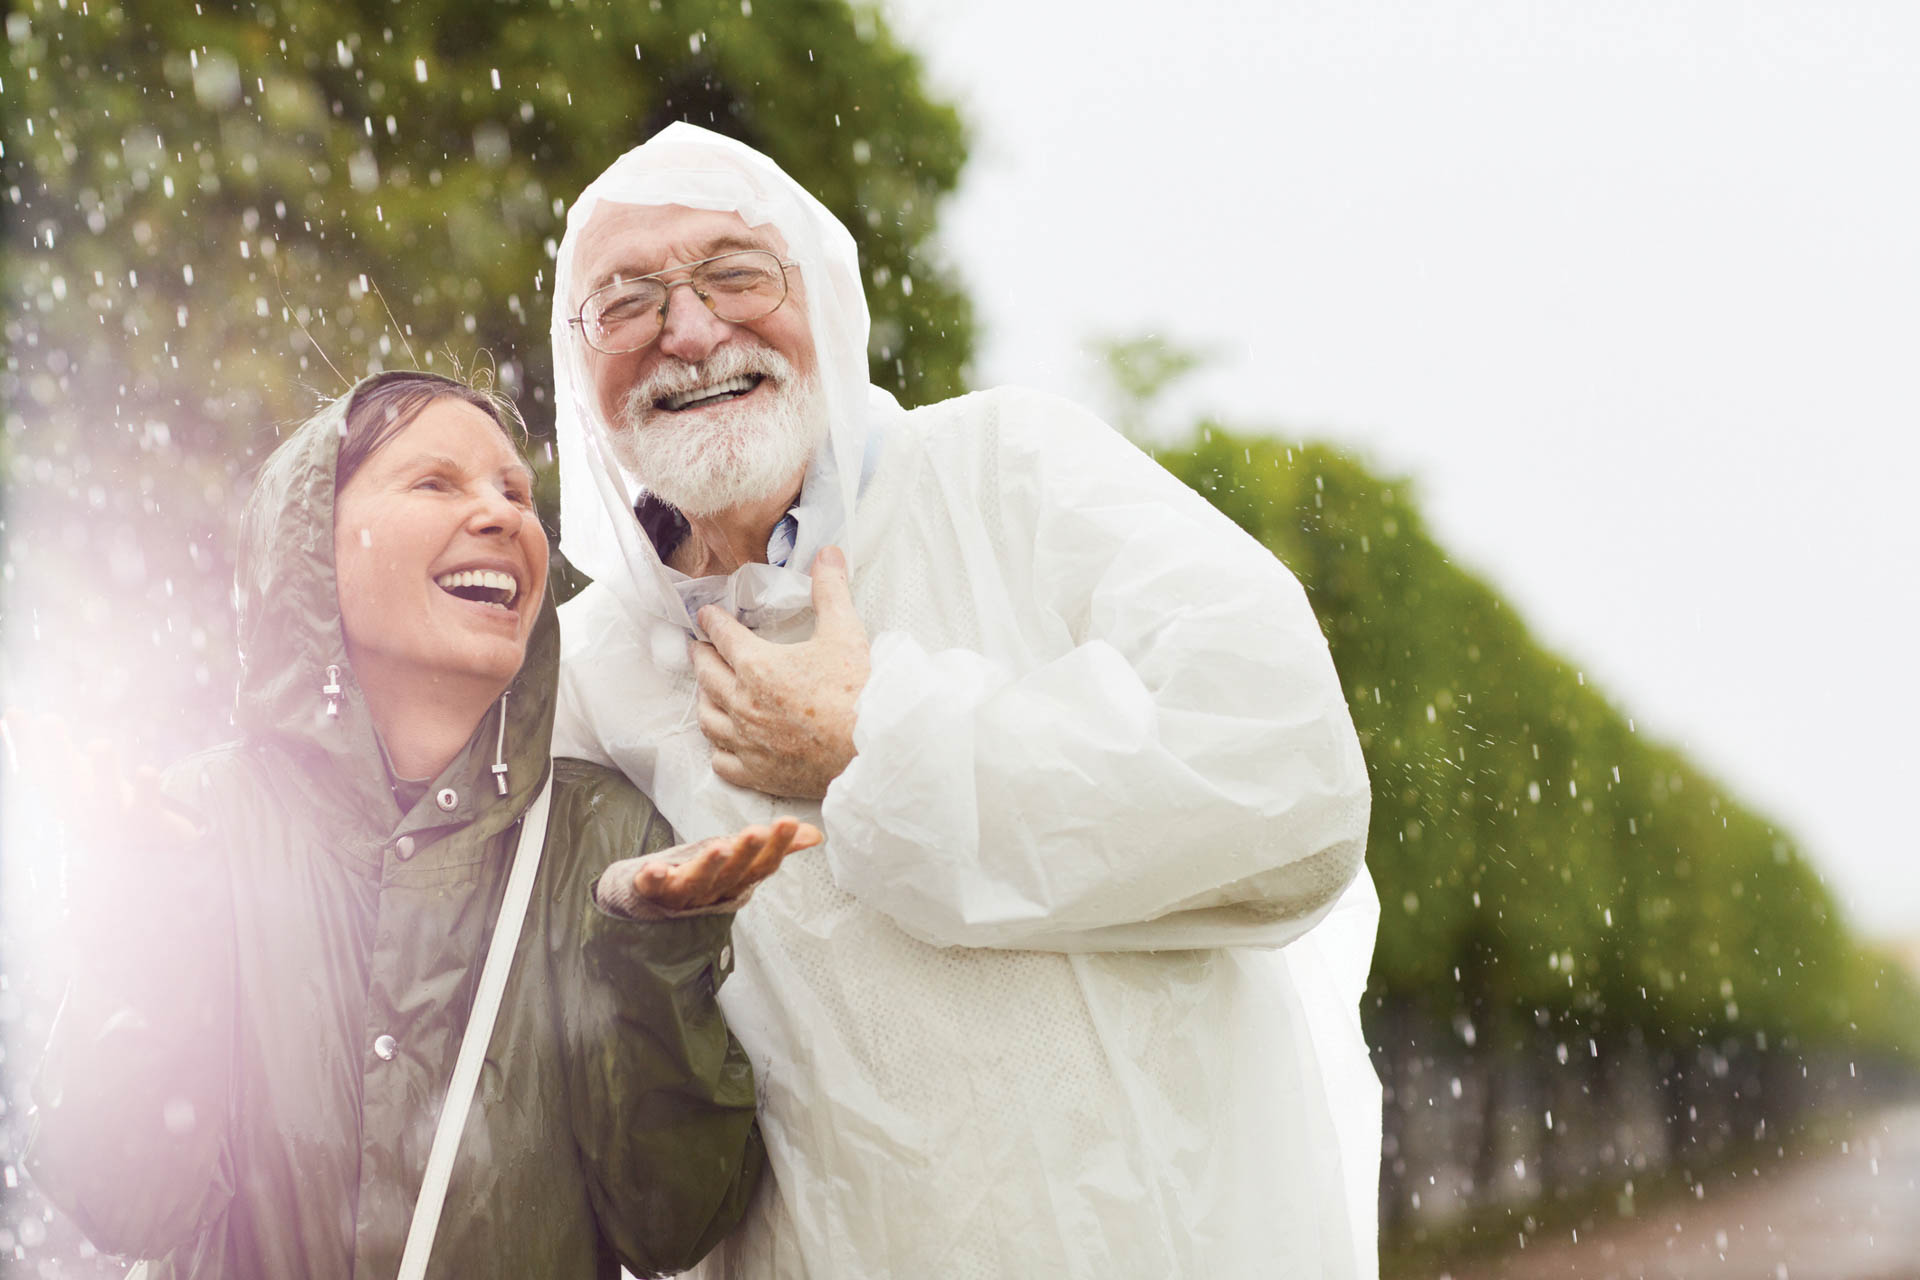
x,y
214,1097
1072,988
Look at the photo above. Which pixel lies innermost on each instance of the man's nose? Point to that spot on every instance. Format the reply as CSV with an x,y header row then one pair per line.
x,y
690,330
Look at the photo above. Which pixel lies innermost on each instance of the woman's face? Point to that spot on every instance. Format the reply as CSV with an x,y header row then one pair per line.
x,y
440,559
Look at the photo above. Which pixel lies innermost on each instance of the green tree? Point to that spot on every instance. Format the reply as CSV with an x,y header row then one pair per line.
x,y
212,207
1535,857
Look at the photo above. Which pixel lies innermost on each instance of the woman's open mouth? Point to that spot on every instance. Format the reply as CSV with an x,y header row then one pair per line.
x,y
482,586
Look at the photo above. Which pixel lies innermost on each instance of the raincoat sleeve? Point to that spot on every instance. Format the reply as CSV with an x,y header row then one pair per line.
x,y
131,1100
1166,762
662,1094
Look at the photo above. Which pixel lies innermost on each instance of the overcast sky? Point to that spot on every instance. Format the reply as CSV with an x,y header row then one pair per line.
x,y
1632,291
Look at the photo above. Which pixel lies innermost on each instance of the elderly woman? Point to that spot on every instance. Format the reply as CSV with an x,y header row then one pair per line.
x,y
247,1073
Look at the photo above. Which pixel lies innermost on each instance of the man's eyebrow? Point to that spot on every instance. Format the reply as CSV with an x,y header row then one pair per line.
x,y
726,242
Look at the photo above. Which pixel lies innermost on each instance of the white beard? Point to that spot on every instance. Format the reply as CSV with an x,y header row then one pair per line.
x,y
726,455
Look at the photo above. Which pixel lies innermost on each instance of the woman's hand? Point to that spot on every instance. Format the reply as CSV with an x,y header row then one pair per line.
x,y
723,868
88,792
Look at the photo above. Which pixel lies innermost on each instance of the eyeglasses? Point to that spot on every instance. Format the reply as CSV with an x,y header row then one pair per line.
x,y
739,286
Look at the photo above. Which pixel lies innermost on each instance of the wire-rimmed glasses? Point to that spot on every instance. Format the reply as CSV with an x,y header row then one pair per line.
x,y
737,286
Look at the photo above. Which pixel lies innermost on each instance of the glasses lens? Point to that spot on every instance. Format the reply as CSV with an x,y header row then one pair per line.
x,y
741,286
737,287
624,317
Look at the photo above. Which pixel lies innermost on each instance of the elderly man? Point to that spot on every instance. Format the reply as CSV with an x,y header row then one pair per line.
x,y
1081,757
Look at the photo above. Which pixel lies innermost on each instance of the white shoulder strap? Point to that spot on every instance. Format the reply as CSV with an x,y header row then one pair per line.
x,y
473,1046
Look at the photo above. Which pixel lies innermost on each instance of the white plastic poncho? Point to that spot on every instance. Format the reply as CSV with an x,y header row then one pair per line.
x,y
1046,1003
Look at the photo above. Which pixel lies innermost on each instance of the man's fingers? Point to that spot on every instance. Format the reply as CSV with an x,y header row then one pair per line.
x,y
712,672
729,769
732,639
833,610
715,724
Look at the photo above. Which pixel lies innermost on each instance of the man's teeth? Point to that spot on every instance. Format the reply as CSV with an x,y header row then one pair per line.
x,y
487,585
730,387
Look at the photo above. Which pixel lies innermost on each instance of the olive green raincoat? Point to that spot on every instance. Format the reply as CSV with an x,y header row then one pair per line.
x,y
246,1075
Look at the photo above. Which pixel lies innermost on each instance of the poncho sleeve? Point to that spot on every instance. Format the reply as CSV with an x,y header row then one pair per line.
x,y
1158,755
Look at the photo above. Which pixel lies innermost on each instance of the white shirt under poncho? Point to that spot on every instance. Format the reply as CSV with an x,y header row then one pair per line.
x,y
1023,1015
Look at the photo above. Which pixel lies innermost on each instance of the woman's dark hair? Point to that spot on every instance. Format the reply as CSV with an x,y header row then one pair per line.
x,y
382,407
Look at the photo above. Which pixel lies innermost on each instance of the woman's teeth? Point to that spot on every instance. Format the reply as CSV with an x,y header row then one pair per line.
x,y
488,586
715,391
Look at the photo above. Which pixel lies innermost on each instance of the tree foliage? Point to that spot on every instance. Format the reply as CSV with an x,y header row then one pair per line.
x,y
208,205
1535,855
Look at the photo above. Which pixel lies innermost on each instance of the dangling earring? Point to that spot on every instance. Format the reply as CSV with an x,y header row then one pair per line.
x,y
332,690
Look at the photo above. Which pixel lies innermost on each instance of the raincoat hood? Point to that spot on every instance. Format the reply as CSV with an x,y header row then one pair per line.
x,y
297,688
692,167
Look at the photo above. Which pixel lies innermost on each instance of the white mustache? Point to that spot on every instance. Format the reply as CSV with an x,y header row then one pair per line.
x,y
677,377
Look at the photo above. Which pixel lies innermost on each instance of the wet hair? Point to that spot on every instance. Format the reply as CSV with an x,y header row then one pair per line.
x,y
383,407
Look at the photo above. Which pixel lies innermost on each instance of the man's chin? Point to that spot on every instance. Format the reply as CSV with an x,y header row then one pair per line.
x,y
717,457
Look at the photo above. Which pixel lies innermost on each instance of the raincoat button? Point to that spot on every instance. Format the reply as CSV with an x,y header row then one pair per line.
x,y
726,955
385,1047
447,798
403,848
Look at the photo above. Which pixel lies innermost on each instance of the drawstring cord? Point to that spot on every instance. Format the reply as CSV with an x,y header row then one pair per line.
x,y
332,690
500,749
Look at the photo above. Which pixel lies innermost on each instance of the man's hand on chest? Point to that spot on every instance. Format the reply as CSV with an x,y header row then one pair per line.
x,y
780,716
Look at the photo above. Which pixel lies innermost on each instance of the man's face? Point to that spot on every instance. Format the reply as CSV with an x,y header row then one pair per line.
x,y
684,445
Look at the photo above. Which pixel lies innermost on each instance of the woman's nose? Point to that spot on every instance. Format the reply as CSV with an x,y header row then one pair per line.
x,y
497,513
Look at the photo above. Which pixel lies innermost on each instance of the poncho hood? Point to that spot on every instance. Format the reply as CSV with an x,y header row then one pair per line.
x,y
294,665
693,167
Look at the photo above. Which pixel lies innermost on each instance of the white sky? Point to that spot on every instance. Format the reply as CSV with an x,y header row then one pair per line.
x,y
1631,289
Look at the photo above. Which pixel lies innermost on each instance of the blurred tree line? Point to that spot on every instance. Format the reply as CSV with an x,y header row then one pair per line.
x,y
1531,850
210,208
1574,920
